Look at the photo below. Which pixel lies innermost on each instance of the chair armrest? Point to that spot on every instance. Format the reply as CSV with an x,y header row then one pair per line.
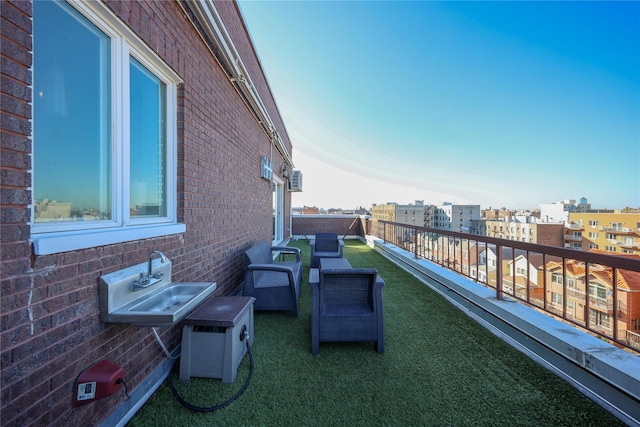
x,y
287,250
271,267
379,282
283,269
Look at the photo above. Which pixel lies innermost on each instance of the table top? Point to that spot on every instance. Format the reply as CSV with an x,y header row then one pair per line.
x,y
220,311
334,263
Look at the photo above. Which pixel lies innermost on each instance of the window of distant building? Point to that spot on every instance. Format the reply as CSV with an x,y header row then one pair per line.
x,y
104,166
556,278
556,298
598,292
597,318
594,223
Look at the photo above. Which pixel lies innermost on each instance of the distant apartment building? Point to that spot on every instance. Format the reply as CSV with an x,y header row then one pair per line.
x,y
525,230
452,217
495,213
412,214
615,232
446,216
559,211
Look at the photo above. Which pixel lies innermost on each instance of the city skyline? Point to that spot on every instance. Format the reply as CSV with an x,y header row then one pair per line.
x,y
502,104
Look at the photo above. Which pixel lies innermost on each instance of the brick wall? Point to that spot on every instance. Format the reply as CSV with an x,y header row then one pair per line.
x,y
49,326
550,234
344,225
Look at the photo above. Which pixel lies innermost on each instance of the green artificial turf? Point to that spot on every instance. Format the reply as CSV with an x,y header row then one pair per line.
x,y
439,368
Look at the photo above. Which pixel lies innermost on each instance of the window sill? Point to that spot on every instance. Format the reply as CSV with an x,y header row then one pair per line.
x,y
46,244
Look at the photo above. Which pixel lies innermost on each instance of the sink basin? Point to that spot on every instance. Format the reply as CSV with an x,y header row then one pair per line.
x,y
165,307
169,299
162,303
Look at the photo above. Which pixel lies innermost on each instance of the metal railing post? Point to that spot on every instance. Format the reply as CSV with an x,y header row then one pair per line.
x,y
499,272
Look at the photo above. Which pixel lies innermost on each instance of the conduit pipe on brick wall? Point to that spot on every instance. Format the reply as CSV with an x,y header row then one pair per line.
x,y
237,73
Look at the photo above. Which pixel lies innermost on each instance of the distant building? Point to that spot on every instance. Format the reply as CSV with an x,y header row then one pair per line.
x,y
446,216
452,217
615,232
528,231
52,210
495,213
569,286
404,214
310,210
559,211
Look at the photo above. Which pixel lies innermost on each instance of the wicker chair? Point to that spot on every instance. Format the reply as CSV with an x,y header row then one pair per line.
x,y
325,245
274,285
347,306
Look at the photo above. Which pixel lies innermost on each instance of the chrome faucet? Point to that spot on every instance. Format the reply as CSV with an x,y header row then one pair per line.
x,y
163,259
150,278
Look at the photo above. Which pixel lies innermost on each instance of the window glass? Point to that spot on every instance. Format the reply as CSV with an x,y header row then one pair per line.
x,y
148,142
104,137
72,164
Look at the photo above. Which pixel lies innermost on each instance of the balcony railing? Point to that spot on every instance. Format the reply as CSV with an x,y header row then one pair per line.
x,y
462,253
573,237
618,230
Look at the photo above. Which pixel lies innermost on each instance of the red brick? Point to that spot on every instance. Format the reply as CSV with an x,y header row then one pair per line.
x,y
221,198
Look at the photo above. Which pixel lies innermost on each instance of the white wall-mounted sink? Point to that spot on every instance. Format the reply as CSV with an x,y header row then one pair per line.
x,y
164,303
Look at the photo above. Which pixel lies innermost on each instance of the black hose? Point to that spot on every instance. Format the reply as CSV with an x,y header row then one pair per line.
x,y
221,405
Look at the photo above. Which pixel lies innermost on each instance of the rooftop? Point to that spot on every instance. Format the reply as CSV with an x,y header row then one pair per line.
x,y
440,367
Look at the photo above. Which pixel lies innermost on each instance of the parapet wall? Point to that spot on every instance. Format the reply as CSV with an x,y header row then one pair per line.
x,y
347,226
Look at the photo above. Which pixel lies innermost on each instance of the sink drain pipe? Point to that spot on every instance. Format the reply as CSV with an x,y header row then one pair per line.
x,y
193,407
164,348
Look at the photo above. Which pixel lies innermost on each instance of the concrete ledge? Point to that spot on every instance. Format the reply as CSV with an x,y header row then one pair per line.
x,y
606,374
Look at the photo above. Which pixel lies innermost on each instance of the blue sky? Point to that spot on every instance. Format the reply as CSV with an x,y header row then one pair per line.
x,y
502,104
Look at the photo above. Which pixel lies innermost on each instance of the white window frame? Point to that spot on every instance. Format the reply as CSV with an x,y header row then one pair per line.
x,y
278,193
55,238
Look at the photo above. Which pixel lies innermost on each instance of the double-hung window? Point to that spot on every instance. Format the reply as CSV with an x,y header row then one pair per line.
x,y
104,116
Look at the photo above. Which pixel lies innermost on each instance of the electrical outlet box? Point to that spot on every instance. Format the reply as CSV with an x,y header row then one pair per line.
x,y
100,380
